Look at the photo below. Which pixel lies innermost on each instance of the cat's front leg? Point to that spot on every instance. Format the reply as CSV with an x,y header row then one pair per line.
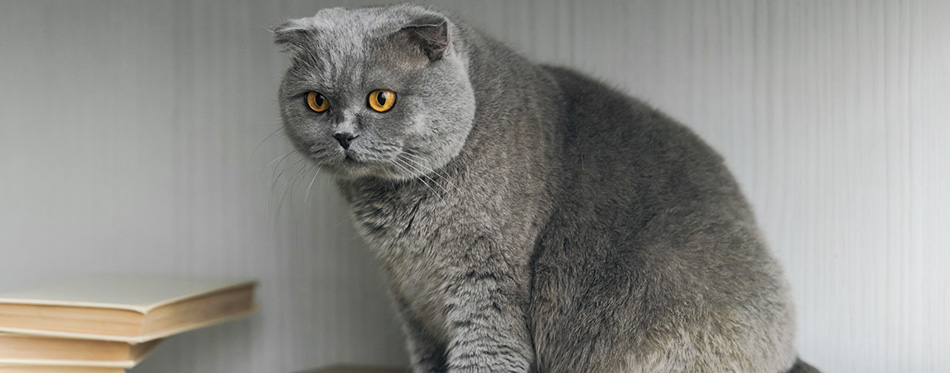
x,y
486,325
425,354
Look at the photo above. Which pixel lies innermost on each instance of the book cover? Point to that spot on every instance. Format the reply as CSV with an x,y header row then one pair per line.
x,y
27,350
125,308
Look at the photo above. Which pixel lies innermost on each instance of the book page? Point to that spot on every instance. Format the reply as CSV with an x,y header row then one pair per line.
x,y
123,291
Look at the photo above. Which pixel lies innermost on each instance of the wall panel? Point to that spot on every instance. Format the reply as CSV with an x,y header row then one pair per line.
x,y
135,136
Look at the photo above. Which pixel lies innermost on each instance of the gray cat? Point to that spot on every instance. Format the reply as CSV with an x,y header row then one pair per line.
x,y
528,218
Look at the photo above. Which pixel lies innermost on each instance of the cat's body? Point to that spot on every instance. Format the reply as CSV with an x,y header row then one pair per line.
x,y
556,225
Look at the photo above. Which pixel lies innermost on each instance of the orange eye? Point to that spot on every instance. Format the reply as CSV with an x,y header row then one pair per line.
x,y
317,102
382,100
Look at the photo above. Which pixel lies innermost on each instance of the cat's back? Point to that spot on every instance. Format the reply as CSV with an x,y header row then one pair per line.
x,y
622,154
652,248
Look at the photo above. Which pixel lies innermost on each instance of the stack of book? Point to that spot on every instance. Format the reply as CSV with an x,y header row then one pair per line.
x,y
106,324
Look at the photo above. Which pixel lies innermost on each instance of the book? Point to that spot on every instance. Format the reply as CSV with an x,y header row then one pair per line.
x,y
124,308
56,369
22,349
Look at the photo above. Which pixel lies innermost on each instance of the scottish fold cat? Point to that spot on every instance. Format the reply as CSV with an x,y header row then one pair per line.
x,y
528,218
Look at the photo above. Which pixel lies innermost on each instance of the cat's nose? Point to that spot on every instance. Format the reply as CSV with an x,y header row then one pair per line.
x,y
345,138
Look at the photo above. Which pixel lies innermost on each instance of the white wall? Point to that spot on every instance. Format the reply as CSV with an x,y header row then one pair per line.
x,y
134,136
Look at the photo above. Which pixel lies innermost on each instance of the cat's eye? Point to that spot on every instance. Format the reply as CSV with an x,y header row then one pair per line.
x,y
317,102
382,100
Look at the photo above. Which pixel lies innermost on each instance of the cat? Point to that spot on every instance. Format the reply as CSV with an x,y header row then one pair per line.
x,y
528,218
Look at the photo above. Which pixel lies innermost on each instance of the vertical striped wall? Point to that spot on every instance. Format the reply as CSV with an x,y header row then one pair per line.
x,y
136,136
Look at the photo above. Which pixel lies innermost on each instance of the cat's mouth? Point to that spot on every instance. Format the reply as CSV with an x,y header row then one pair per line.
x,y
351,164
352,158
348,158
341,157
357,161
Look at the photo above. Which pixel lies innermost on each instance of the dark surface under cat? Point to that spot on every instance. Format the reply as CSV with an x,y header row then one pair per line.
x,y
357,369
529,218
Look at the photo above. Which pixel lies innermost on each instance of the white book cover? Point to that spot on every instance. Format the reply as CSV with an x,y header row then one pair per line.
x,y
140,293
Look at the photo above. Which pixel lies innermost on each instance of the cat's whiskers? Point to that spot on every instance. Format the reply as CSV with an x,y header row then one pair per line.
x,y
315,173
268,137
423,173
278,160
290,184
300,175
419,159
401,167
278,176
406,168
414,158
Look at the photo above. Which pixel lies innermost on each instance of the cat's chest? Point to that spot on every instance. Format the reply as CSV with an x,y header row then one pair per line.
x,y
417,241
414,242
400,226
419,288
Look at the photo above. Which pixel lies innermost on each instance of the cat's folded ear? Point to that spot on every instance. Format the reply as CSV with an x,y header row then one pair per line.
x,y
429,33
292,36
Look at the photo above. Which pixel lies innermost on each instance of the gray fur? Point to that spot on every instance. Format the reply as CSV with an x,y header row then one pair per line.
x,y
529,218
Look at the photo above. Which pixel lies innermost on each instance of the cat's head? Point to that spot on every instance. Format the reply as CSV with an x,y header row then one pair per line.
x,y
380,92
